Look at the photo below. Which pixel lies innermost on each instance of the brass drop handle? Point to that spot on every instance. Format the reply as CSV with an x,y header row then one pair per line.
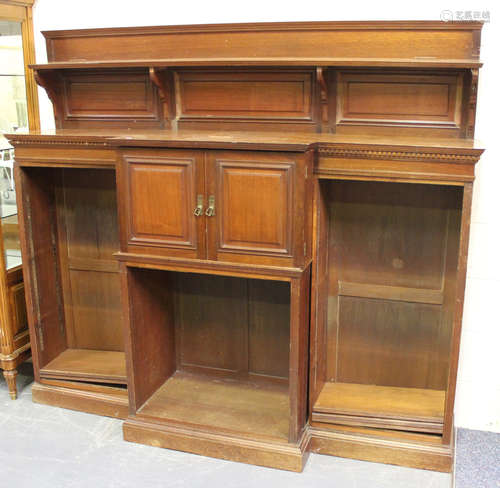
x,y
199,206
210,211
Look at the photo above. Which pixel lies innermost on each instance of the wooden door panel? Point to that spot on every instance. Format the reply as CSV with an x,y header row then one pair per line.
x,y
161,194
254,195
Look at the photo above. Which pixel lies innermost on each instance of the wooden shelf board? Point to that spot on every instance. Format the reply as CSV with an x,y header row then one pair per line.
x,y
267,61
381,402
221,405
88,365
234,139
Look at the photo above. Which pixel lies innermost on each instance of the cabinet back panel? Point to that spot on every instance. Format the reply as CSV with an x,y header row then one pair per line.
x,y
390,343
212,317
224,322
389,234
90,214
96,310
88,236
392,257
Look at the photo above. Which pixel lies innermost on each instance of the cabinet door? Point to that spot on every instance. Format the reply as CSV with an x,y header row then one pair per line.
x,y
253,199
163,189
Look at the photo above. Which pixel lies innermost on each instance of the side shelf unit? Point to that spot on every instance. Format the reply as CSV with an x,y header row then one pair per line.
x,y
251,256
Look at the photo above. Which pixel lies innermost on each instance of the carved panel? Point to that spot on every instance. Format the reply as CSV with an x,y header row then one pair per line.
x,y
255,211
162,194
249,96
399,99
120,98
18,303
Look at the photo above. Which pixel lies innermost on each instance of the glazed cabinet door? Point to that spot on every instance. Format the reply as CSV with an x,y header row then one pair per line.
x,y
253,214
162,200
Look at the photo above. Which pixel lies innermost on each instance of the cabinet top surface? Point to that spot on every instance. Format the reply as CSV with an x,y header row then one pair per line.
x,y
278,141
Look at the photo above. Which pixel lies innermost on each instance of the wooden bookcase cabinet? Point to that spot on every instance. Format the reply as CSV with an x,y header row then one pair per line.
x,y
285,257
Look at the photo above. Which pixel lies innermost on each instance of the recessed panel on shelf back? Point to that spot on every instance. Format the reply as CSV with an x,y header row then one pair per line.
x,y
88,232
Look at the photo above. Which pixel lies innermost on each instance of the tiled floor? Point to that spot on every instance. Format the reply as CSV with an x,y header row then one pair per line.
x,y
50,447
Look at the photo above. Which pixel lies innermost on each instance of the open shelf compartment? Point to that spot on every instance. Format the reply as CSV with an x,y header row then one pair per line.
x,y
72,232
212,355
386,270
211,352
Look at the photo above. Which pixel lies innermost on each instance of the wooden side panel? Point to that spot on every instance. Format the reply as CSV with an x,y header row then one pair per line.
x,y
18,308
319,297
299,357
150,332
265,96
37,210
399,98
114,98
457,268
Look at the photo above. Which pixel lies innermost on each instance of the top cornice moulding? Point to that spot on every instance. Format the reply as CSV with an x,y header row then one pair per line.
x,y
270,26
327,145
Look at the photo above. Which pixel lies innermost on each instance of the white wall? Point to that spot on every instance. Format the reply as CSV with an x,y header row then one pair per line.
x,y
478,395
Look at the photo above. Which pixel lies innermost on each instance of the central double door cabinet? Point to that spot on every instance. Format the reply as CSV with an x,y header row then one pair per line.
x,y
225,350
232,206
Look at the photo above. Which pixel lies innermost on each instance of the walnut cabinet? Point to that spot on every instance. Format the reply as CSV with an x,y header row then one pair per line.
x,y
254,256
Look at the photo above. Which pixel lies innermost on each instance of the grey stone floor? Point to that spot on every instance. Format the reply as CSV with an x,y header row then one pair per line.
x,y
50,447
477,459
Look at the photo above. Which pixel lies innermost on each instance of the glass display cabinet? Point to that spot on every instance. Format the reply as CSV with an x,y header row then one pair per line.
x,y
18,113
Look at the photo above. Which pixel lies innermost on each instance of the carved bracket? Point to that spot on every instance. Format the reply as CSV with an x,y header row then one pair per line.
x,y
47,80
322,83
472,102
323,89
159,79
